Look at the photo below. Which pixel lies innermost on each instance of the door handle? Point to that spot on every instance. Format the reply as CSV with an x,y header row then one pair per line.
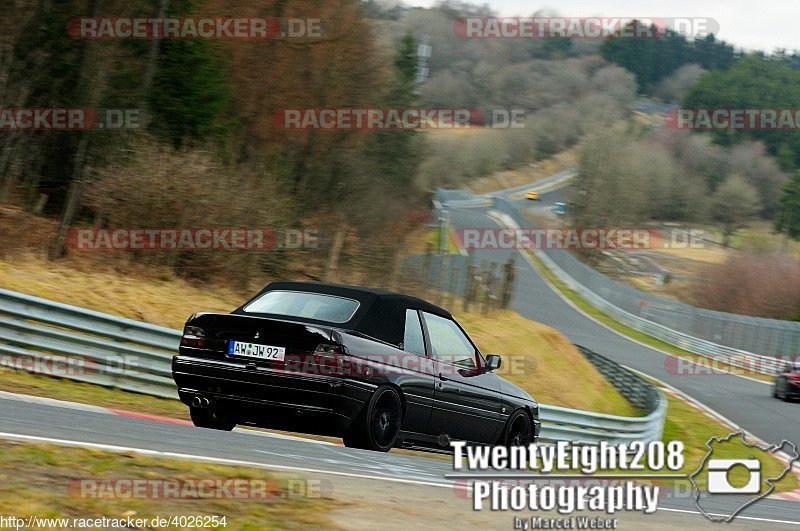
x,y
442,377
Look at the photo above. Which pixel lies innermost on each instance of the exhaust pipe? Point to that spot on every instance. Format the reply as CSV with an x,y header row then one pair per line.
x,y
200,402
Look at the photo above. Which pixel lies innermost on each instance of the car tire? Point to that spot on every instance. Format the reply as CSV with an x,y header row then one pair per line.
x,y
378,425
519,430
775,390
217,419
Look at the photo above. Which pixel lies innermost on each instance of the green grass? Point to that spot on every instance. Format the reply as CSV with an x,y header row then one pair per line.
x,y
694,428
632,333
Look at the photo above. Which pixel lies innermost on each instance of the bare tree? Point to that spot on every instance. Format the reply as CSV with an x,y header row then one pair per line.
x,y
732,205
675,86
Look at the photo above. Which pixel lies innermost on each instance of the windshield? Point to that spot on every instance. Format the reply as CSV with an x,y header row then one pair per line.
x,y
306,305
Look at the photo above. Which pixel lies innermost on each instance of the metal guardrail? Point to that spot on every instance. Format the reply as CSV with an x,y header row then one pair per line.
x,y
562,424
541,186
581,426
56,339
46,337
728,355
462,198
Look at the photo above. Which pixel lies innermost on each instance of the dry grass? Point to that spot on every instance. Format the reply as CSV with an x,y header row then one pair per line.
x,y
165,300
708,255
21,232
759,238
38,481
542,361
84,393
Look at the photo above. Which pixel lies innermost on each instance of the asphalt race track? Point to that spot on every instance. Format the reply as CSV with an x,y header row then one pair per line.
x,y
33,421
745,402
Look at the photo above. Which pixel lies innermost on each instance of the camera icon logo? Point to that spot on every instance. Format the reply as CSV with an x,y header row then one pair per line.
x,y
720,483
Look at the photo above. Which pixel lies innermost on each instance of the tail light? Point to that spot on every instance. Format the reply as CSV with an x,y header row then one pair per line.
x,y
328,360
794,378
193,336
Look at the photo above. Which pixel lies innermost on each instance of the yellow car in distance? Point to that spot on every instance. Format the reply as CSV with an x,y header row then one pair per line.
x,y
533,196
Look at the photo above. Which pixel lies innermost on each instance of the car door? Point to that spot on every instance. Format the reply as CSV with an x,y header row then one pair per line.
x,y
467,402
417,380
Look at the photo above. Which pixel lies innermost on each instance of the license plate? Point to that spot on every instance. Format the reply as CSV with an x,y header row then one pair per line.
x,y
252,350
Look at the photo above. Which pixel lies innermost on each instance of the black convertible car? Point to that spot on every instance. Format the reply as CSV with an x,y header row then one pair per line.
x,y
379,369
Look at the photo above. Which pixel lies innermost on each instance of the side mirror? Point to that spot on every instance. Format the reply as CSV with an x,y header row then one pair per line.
x,y
493,362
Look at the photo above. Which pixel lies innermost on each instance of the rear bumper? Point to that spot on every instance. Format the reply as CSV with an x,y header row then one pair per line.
x,y
793,391
273,398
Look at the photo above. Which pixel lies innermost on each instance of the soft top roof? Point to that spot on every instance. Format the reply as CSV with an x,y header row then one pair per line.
x,y
381,314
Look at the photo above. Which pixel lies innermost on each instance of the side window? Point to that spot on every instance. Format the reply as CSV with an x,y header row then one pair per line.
x,y
413,341
448,342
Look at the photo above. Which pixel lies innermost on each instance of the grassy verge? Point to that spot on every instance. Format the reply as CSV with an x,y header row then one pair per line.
x,y
144,296
25,383
44,481
632,333
542,361
429,240
693,427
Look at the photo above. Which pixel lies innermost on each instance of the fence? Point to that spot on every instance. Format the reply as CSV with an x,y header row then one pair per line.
x,y
47,337
741,341
480,286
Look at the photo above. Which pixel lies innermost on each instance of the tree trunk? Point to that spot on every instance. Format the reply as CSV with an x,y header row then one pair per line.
x,y
333,259
90,81
152,63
